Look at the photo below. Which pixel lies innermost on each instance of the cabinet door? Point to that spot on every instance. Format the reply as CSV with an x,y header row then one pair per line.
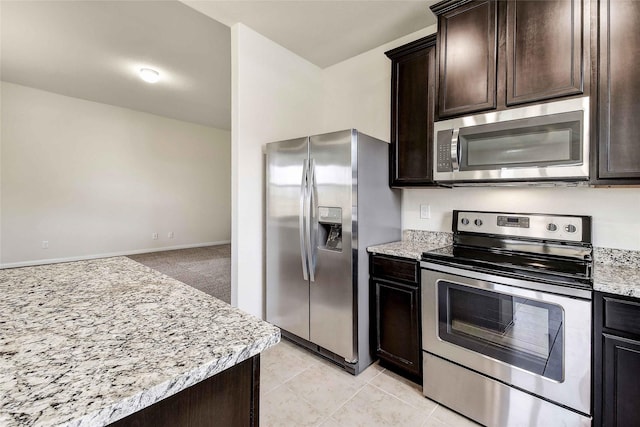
x,y
412,114
621,392
619,90
467,59
397,325
544,49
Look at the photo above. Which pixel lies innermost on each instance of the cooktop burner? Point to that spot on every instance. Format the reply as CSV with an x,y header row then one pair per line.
x,y
554,248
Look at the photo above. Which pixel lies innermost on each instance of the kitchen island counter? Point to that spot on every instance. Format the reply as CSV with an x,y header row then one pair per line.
x,y
91,342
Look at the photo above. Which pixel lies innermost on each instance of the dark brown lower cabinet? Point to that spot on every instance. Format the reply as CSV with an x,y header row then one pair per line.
x,y
230,398
617,361
621,393
396,319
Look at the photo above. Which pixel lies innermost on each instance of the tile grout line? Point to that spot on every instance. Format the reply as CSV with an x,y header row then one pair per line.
x,y
290,378
408,403
354,394
431,415
426,419
349,398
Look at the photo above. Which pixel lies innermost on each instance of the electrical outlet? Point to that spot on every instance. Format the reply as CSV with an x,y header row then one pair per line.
x,y
170,235
425,211
45,244
154,236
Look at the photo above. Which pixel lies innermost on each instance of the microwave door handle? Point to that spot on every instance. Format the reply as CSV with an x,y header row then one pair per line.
x,y
455,151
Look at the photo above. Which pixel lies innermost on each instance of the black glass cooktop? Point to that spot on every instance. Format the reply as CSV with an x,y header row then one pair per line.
x,y
536,262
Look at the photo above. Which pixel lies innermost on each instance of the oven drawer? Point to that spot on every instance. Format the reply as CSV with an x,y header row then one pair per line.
x,y
491,402
621,315
383,267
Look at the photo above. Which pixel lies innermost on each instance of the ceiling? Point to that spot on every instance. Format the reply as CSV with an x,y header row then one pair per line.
x,y
93,49
324,32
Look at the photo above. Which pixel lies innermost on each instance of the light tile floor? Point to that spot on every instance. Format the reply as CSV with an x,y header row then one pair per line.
x,y
298,388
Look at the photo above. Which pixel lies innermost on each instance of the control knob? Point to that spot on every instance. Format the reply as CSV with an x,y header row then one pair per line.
x,y
570,228
478,222
464,221
552,227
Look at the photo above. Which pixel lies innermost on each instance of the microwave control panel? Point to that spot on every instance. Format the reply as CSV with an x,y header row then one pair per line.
x,y
443,151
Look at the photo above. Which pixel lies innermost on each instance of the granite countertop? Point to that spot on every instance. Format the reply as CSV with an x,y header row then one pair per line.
x,y
403,249
616,280
617,271
87,343
412,245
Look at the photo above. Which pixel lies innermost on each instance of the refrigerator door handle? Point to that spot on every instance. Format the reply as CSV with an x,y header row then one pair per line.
x,y
312,232
302,216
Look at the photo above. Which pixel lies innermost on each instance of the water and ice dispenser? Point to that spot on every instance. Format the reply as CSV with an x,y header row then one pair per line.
x,y
330,228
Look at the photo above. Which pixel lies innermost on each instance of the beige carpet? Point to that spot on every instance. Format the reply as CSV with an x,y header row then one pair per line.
x,y
207,269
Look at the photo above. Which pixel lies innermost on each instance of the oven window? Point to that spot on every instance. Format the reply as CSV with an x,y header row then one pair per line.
x,y
524,333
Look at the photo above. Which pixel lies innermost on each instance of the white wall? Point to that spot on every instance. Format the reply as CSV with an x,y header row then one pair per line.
x,y
613,210
275,95
357,92
94,179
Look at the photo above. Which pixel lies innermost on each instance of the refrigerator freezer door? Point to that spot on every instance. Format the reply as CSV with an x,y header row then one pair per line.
x,y
287,288
332,287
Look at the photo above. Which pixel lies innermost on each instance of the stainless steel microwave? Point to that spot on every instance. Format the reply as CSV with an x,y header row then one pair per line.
x,y
538,143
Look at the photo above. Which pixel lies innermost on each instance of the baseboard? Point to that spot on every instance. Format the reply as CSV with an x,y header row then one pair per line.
x,y
109,255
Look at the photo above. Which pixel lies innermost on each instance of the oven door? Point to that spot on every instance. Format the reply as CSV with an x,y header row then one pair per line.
x,y
537,341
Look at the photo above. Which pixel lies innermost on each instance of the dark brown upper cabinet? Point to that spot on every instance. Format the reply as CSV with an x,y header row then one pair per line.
x,y
543,50
412,113
467,41
618,92
497,54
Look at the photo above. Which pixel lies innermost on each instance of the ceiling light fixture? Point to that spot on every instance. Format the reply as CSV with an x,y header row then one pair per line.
x,y
149,75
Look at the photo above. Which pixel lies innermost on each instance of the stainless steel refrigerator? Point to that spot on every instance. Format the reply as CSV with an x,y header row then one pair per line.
x,y
327,199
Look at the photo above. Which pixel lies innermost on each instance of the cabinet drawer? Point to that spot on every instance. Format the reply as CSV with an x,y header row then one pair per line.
x,y
395,269
622,315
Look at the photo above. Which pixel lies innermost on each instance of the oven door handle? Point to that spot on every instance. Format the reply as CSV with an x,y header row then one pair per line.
x,y
513,283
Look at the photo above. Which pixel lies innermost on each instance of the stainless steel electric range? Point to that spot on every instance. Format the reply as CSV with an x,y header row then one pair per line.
x,y
506,319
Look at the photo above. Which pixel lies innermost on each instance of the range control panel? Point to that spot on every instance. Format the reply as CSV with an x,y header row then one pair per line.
x,y
538,226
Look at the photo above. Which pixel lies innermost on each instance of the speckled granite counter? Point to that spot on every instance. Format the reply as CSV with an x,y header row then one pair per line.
x,y
617,271
87,343
413,243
